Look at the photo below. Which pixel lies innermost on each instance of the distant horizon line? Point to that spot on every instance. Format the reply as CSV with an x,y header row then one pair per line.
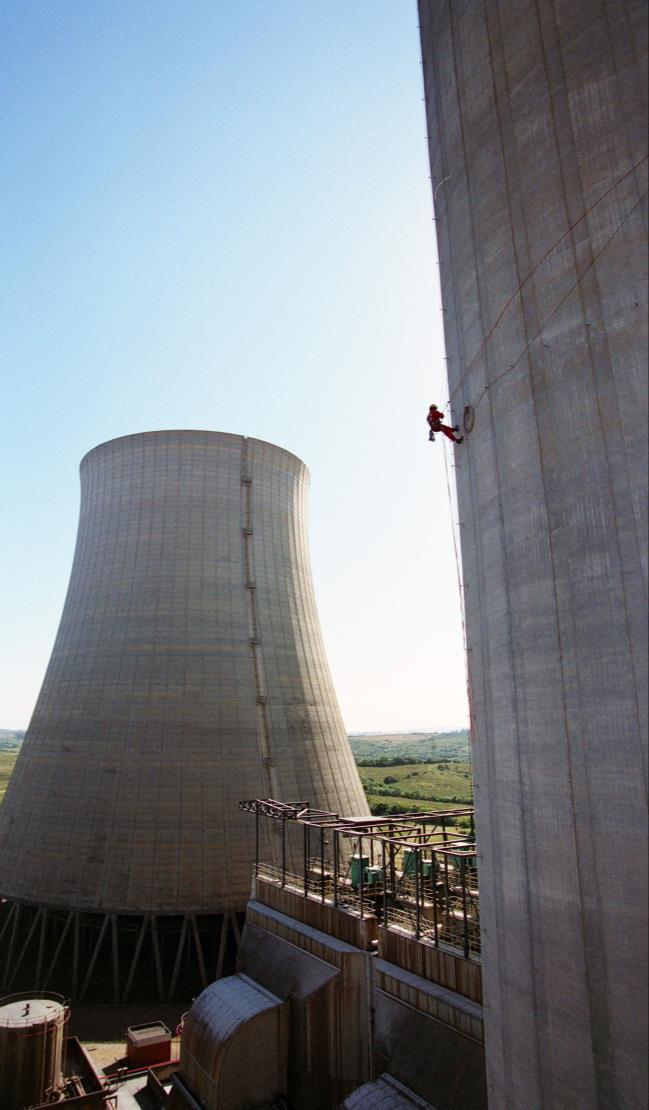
x,y
408,731
356,732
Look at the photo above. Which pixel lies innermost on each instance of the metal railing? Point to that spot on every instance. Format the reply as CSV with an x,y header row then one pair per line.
x,y
414,872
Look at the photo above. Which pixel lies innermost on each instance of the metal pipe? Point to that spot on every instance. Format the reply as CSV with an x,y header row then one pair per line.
x,y
385,885
464,909
435,912
360,868
417,894
307,851
322,864
256,841
335,846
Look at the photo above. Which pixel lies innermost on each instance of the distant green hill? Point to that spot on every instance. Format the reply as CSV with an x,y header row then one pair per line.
x,y
382,747
7,761
10,739
365,745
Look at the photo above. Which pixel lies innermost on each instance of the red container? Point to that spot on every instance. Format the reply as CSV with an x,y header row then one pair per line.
x,y
148,1044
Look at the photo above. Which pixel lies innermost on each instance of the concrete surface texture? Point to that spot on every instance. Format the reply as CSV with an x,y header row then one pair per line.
x,y
325,985
328,985
383,1094
538,148
188,673
352,1017
234,1045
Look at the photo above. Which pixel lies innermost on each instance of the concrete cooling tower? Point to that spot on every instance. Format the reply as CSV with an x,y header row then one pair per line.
x,y
188,673
537,121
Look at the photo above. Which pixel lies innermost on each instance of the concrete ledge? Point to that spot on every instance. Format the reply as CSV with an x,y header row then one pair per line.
x,y
431,998
298,927
434,964
330,919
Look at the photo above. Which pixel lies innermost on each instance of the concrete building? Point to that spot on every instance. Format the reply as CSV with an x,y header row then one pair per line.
x,y
538,149
188,673
358,979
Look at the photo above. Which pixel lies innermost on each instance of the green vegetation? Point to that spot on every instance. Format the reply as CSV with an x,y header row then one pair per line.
x,y
10,740
415,772
439,782
372,749
382,806
7,760
399,772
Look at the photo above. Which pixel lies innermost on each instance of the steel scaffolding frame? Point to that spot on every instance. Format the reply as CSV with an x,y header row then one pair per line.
x,y
412,872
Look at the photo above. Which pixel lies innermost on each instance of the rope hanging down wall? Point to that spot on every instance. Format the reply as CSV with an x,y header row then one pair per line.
x,y
469,410
517,292
557,307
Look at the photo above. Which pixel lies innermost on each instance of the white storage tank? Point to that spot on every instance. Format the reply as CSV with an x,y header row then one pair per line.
x,y
31,1048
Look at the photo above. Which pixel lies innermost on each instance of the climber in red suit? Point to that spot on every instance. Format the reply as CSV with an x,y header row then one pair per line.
x,y
434,419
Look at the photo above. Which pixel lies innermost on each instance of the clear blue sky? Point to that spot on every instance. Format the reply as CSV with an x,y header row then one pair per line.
x,y
217,214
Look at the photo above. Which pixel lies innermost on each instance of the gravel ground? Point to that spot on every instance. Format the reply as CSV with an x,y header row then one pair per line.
x,y
102,1029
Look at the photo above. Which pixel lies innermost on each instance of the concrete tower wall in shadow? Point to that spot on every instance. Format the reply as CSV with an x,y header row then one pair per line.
x,y
188,673
538,148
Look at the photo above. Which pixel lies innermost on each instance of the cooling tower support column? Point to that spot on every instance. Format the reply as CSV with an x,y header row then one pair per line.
x,y
537,128
115,958
188,673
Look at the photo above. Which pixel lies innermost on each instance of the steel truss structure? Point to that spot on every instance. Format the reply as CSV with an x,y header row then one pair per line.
x,y
412,872
114,957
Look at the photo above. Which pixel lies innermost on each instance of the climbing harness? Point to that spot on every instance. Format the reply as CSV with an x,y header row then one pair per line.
x,y
434,421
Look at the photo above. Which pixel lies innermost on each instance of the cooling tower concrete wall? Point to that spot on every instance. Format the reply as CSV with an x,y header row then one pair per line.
x,y
538,141
188,673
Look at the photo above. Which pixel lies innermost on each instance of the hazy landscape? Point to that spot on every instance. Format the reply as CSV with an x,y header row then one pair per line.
x,y
373,747
411,772
10,740
401,772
